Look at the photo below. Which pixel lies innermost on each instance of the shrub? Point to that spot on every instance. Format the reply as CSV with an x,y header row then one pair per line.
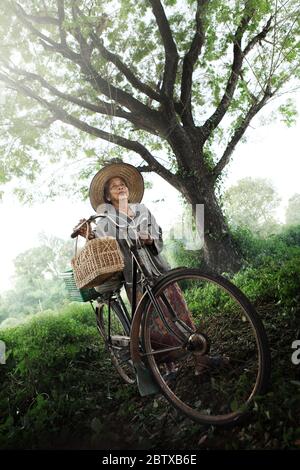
x,y
255,250
47,375
274,279
177,255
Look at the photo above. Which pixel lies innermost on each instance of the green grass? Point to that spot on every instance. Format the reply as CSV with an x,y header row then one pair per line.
x,y
54,382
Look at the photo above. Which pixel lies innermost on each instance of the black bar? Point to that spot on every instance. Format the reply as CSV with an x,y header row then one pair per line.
x,y
156,305
126,314
133,292
109,338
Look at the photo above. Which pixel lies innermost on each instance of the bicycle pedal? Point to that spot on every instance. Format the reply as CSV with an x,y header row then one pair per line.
x,y
124,355
121,341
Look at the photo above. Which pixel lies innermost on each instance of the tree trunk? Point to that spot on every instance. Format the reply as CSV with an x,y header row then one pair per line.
x,y
197,185
219,251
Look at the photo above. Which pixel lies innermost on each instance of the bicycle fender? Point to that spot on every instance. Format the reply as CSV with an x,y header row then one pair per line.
x,y
145,382
137,318
135,333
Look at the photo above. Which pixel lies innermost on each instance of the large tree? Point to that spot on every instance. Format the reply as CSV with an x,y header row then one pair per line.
x,y
175,82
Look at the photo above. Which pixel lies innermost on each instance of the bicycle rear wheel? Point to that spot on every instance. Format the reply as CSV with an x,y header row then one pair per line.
x,y
209,354
115,332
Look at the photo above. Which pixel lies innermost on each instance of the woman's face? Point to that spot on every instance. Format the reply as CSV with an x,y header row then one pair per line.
x,y
117,191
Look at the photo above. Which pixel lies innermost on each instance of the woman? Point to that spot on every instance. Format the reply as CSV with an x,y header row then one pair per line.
x,y
116,191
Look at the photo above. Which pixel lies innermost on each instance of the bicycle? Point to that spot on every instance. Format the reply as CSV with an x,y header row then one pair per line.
x,y
220,359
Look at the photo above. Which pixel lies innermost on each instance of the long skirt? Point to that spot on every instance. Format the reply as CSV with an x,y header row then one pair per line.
x,y
160,337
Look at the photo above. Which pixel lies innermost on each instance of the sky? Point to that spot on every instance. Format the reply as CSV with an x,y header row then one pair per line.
x,y
272,151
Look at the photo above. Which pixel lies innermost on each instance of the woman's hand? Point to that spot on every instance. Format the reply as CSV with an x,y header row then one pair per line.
x,y
145,239
83,230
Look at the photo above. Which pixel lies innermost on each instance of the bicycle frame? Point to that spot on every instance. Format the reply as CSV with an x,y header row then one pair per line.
x,y
133,319
148,283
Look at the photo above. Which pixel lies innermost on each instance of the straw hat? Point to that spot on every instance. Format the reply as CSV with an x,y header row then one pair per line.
x,y
129,173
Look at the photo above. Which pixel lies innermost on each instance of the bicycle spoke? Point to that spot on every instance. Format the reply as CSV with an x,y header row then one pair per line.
x,y
112,329
161,351
224,362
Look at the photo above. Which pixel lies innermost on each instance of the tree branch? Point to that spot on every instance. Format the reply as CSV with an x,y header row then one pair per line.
x,y
108,109
214,120
239,132
61,19
85,48
259,37
62,115
188,66
105,108
23,16
171,54
99,83
124,69
145,169
46,19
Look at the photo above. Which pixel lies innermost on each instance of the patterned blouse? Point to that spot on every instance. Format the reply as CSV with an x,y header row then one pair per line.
x,y
146,224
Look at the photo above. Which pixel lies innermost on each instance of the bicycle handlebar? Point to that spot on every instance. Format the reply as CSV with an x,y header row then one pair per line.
x,y
90,219
94,217
131,245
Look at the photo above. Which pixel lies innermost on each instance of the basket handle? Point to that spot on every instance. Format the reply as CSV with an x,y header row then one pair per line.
x,y
86,237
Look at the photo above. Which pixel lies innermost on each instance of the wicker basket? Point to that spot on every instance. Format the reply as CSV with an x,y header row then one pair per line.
x,y
99,259
75,294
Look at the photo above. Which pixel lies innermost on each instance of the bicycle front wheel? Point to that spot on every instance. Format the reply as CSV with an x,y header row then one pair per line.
x,y
208,351
115,332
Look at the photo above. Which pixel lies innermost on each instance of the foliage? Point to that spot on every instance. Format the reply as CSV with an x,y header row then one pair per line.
x,y
100,68
58,389
170,86
177,254
292,214
272,267
273,280
28,298
255,249
42,380
37,286
252,203
271,270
